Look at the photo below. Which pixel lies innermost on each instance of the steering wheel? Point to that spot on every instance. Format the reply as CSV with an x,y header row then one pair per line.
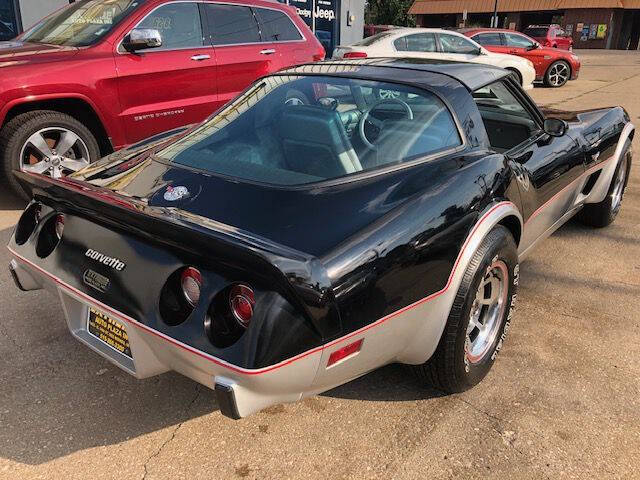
x,y
366,117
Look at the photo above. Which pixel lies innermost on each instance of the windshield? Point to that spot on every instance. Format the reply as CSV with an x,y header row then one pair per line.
x,y
82,23
292,130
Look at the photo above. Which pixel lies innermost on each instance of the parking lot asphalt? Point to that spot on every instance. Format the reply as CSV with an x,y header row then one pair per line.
x,y
562,401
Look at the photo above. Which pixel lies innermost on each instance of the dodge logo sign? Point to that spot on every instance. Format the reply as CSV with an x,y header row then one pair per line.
x,y
112,262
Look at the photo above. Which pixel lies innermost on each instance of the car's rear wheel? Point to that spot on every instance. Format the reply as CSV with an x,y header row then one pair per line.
x,y
557,74
479,319
605,212
46,142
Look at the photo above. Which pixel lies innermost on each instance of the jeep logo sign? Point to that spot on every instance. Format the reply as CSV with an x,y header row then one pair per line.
x,y
112,262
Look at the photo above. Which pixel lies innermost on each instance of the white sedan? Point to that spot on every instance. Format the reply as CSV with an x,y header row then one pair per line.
x,y
435,43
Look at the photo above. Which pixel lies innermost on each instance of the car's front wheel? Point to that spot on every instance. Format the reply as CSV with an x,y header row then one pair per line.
x,y
517,75
479,319
46,142
605,212
557,74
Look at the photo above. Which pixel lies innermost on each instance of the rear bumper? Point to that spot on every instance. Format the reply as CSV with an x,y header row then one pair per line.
x,y
575,71
240,392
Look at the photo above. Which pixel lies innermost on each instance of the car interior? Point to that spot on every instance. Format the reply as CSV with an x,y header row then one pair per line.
x,y
507,122
323,128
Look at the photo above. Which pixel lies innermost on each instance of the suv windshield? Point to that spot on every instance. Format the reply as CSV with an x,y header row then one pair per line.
x,y
292,130
82,23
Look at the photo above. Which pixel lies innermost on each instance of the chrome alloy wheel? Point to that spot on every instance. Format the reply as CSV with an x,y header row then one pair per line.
x,y
54,151
487,311
387,94
559,74
618,187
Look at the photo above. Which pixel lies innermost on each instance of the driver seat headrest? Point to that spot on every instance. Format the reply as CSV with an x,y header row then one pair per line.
x,y
315,142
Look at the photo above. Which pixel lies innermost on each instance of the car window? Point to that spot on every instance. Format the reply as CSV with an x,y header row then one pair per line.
x,y
262,136
367,42
418,42
507,121
276,26
456,44
178,23
515,40
560,32
231,24
536,32
81,23
488,38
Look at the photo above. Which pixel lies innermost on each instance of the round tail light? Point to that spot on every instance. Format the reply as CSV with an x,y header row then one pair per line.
x,y
241,303
59,225
191,281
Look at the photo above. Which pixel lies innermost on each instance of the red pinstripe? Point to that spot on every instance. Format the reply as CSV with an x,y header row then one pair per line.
x,y
585,173
245,371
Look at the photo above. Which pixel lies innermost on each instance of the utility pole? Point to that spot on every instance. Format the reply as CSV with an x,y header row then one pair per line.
x,y
494,19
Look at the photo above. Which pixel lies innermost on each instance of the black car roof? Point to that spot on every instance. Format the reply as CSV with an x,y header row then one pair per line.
x,y
471,75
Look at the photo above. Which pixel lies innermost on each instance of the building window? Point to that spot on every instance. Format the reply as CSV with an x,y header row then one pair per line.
x,y
9,20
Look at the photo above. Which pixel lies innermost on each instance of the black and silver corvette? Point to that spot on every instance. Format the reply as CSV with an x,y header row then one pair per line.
x,y
334,218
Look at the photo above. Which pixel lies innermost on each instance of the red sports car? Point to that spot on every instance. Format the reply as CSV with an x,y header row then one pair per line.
x,y
553,66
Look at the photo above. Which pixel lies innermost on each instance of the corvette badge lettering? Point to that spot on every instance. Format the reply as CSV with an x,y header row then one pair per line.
x,y
112,262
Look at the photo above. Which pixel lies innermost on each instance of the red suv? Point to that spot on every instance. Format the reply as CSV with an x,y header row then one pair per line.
x,y
98,75
550,36
553,66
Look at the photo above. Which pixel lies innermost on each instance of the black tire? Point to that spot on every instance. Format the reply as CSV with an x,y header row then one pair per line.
x,y
14,135
296,97
605,212
516,74
450,369
547,75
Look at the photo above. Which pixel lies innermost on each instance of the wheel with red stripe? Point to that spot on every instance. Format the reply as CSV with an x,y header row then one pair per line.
x,y
479,319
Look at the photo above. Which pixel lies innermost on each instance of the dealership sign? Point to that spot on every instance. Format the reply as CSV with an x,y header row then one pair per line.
x,y
322,17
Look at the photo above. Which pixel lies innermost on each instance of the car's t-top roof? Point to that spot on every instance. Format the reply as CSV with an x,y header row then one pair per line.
x,y
471,75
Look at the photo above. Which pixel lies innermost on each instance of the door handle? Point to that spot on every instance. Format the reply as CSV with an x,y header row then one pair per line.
x,y
268,51
199,58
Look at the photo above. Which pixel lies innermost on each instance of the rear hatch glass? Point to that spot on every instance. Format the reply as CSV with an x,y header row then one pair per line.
x,y
293,130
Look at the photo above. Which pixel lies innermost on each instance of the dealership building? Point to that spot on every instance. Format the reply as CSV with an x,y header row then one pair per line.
x,y
592,23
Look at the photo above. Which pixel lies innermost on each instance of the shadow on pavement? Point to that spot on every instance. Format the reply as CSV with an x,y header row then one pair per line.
x,y
393,383
58,397
9,200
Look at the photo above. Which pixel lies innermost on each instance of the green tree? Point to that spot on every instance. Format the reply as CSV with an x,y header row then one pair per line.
x,y
390,12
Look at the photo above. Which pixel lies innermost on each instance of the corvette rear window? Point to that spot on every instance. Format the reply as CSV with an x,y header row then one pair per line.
x,y
291,130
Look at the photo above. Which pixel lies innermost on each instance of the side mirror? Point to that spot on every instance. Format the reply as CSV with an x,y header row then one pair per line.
x,y
141,38
555,127
480,51
533,46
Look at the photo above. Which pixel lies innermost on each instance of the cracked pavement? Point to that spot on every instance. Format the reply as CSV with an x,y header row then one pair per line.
x,y
561,402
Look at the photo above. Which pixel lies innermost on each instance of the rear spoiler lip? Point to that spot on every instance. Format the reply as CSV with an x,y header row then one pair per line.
x,y
172,215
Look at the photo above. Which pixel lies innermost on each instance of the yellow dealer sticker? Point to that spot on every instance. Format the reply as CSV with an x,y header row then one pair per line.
x,y
109,331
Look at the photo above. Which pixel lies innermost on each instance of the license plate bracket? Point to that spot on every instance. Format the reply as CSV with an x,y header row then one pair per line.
x,y
109,331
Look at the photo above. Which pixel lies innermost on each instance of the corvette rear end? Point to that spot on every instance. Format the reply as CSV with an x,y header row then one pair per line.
x,y
108,277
